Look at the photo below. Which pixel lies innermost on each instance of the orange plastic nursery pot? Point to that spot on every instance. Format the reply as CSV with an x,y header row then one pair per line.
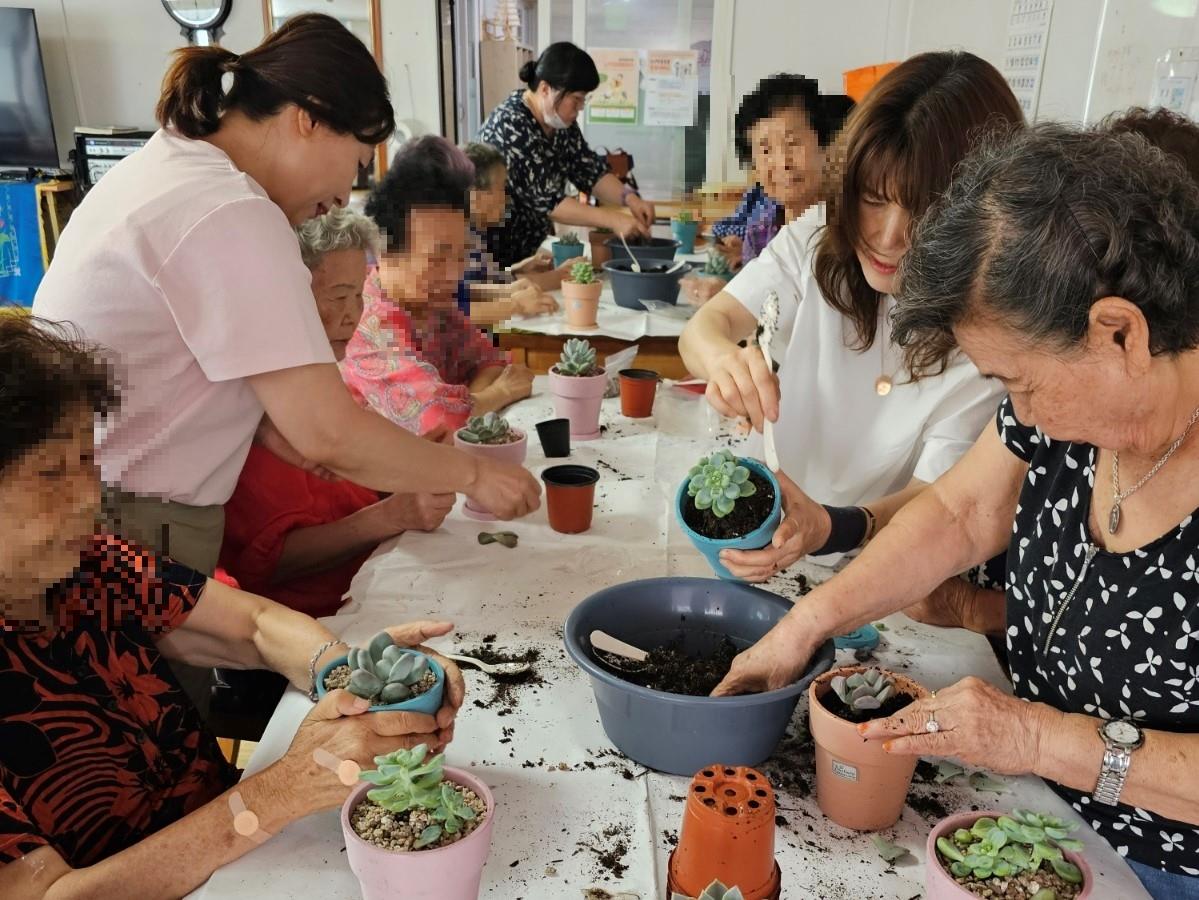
x,y
570,497
727,834
858,784
637,390
582,303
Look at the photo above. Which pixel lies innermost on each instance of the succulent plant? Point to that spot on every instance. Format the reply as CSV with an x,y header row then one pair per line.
x,y
717,482
407,780
570,238
486,429
383,672
684,216
714,891
865,690
582,273
1021,842
508,538
578,359
717,265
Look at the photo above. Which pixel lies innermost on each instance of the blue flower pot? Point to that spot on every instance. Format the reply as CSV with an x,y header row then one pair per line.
x,y
755,540
672,732
428,702
562,252
685,233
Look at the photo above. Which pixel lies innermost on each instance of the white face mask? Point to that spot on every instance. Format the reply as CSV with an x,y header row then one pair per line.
x,y
552,119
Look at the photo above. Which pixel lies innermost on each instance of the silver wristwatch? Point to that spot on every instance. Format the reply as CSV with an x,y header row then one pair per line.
x,y
1120,738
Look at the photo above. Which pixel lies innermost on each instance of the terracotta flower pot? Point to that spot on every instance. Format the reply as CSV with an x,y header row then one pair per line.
x,y
600,253
581,302
570,497
727,834
637,390
858,784
514,452
579,399
453,872
939,883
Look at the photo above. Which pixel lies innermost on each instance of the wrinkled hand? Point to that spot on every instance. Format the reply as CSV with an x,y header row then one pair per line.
x,y
979,724
532,301
805,527
414,512
564,269
699,289
541,261
515,383
413,635
731,248
740,384
642,210
507,490
773,662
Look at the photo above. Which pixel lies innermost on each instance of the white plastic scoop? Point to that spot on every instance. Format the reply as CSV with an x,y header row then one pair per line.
x,y
767,325
636,265
618,654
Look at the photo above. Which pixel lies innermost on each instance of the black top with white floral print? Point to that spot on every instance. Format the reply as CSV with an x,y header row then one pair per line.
x,y
1127,644
539,165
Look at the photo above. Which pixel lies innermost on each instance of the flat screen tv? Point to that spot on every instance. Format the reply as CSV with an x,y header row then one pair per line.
x,y
26,129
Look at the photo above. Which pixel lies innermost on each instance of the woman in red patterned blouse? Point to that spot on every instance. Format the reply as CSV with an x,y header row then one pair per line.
x,y
416,359
109,784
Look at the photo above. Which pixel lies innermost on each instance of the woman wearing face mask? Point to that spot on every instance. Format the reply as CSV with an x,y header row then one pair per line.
x,y
852,426
536,129
183,262
783,129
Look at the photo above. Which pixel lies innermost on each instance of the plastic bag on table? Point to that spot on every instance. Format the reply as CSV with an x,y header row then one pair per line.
x,y
671,310
613,363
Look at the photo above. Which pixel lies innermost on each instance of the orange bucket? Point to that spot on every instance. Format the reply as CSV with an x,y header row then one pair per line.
x,y
858,82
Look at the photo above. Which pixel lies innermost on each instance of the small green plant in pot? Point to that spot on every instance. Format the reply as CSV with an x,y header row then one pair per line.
x,y
717,266
567,247
578,384
714,891
490,436
580,295
391,677
410,803
1023,856
684,228
726,503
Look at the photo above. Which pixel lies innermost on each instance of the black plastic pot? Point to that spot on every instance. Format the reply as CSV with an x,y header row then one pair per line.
x,y
554,435
651,249
671,732
629,288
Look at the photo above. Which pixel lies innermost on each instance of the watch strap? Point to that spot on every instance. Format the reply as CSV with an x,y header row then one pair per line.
x,y
1112,775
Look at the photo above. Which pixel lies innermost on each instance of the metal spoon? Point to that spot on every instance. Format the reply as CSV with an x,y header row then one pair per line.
x,y
619,655
636,265
508,668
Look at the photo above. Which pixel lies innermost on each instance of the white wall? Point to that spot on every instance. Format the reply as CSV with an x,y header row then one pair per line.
x,y
105,58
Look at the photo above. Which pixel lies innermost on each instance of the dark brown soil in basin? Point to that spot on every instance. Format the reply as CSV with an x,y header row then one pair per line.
x,y
830,701
747,514
670,670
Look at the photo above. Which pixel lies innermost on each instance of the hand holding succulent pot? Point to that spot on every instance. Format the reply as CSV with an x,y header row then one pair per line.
x,y
566,248
684,228
391,677
490,436
717,266
726,503
580,295
578,386
1030,854
417,829
858,784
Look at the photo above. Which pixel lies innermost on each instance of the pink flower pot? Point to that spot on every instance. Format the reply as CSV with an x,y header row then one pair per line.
x,y
447,873
579,399
514,452
939,883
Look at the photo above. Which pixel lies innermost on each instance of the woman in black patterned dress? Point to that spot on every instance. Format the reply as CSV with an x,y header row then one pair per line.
x,y
537,130
1066,264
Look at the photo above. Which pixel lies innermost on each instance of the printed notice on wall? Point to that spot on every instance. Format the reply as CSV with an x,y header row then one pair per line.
x,y
615,100
671,87
1024,57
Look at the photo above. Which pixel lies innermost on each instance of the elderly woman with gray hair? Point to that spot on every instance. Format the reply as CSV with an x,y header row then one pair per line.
x,y
291,535
1066,265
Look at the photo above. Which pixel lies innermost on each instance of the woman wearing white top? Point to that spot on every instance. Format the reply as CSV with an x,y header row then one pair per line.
x,y
183,263
853,429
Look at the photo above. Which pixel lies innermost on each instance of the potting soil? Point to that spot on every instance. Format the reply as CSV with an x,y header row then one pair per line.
x,y
748,513
339,677
670,670
1019,887
399,831
830,701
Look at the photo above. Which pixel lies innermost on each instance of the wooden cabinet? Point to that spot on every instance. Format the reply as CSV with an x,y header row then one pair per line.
x,y
499,69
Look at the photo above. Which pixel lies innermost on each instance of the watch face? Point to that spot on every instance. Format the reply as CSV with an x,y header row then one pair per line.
x,y
1122,732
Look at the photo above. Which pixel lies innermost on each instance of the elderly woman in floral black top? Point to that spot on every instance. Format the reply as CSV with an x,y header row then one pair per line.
x,y
1065,264
109,784
536,129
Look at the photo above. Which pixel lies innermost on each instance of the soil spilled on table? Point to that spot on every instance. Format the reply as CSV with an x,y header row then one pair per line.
x,y
748,513
668,669
609,848
506,689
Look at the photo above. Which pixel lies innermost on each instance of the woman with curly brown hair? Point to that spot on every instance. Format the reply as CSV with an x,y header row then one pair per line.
x,y
852,426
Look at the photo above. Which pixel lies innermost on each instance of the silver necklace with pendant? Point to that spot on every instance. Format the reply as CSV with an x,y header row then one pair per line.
x,y
1113,521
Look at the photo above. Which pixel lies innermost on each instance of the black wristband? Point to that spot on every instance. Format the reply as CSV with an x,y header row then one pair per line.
x,y
848,529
